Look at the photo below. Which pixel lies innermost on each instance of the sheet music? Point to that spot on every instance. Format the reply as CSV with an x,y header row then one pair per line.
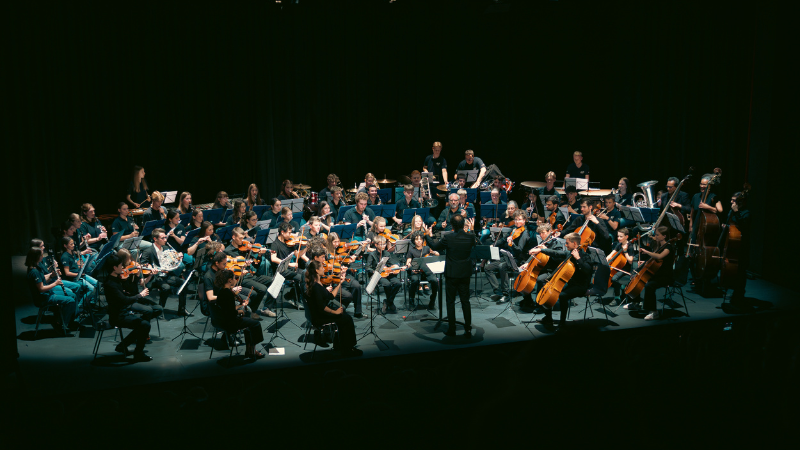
x,y
437,267
495,252
275,288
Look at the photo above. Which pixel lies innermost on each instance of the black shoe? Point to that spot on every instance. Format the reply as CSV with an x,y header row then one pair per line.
x,y
546,322
502,299
320,340
411,302
122,349
359,315
392,308
468,333
450,332
427,290
495,297
183,313
384,308
432,304
141,357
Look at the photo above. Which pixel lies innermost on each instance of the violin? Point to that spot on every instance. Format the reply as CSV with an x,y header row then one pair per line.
x,y
393,270
297,241
390,238
134,268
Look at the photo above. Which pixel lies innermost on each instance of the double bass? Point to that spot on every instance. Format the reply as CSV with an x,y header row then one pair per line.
x,y
707,236
729,269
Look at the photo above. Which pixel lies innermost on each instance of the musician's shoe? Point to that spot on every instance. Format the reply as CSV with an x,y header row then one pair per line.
x,y
320,340
468,332
267,312
121,348
525,303
614,302
496,297
652,316
427,290
141,357
295,305
432,304
392,308
359,315
502,299
632,307
184,313
384,308
450,332
546,322
255,316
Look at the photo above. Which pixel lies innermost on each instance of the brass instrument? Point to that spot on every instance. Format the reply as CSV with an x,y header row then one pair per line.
x,y
425,192
645,199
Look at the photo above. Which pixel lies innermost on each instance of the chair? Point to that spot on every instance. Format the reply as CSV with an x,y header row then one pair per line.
x,y
102,326
669,292
44,309
331,328
598,290
217,329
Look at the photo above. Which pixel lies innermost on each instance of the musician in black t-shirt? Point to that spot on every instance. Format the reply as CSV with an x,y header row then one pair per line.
x,y
156,211
436,163
259,283
610,215
517,246
418,272
572,201
550,185
470,162
739,216
624,196
602,240
280,251
137,189
324,194
408,201
620,279
392,283
577,169
663,276
551,204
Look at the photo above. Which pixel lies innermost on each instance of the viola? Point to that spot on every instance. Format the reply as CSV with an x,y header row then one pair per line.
x,y
393,270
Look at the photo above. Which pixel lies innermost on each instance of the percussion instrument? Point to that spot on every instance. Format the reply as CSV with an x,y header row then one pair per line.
x,y
314,199
534,184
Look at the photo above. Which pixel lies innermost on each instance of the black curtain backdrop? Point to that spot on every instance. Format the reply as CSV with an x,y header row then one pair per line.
x,y
215,96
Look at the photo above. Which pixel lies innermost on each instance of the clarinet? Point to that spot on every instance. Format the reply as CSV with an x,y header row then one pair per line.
x,y
53,266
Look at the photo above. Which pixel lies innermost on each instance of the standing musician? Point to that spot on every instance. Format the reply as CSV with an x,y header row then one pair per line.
x,y
610,215
577,285
239,208
624,196
392,283
222,201
287,191
533,207
125,310
369,180
418,249
228,316
681,204
453,209
259,283
327,193
711,205
337,201
577,169
318,299
602,240
361,215
164,282
196,221
517,246
48,294
663,276
350,288
470,162
739,215
92,227
553,248
253,197
124,224
70,267
573,200
408,201
621,279
156,211
550,185
280,251
555,218
185,203
436,163
457,270
273,213
137,189
372,196
326,216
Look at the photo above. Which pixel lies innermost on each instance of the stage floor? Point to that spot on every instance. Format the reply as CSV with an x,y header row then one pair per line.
x,y
72,358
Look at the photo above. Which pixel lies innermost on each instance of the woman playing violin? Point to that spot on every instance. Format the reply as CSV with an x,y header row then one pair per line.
x,y
280,251
661,278
420,272
319,298
133,278
379,229
230,317
350,288
202,238
124,310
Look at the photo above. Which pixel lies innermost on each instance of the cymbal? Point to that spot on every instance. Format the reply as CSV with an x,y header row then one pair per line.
x,y
353,190
534,184
405,180
442,187
302,186
596,192
386,180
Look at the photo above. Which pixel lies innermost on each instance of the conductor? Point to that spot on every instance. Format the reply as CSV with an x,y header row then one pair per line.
x,y
458,267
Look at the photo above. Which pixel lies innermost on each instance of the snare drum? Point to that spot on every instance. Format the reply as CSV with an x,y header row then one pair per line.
x,y
314,198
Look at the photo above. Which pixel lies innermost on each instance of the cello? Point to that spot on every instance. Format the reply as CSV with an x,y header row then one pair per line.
x,y
548,295
637,283
526,280
617,261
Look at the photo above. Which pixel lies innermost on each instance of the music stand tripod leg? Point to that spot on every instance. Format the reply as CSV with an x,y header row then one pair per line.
x,y
276,333
371,327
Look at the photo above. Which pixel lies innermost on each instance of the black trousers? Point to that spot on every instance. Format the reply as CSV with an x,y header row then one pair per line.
x,y
351,293
650,292
415,278
460,286
618,281
493,270
391,286
567,294
164,287
740,281
259,284
251,327
347,329
138,323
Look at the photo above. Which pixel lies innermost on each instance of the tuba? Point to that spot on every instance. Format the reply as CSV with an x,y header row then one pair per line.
x,y
645,199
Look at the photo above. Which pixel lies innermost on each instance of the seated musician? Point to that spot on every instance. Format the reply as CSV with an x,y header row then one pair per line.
x,y
620,279
314,228
453,208
327,193
517,247
624,196
287,191
602,239
176,234
253,197
610,215
286,217
202,238
369,180
739,215
577,285
326,216
663,277
577,169
273,213
392,283
185,203
155,255
533,207
572,201
416,184
499,183
92,227
417,226
229,316
70,288
550,185
69,230
137,189
546,245
372,196
124,224
259,283
408,201
239,208
419,272
492,221
125,310
196,221
337,201
318,300
470,162
280,251
71,264
350,288
361,215
462,200
378,229
156,211
222,201
462,182
436,163
130,286
204,255
43,293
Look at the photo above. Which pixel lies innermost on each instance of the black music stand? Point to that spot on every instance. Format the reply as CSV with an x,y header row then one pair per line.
x,y
344,231
470,176
185,218
409,213
507,256
215,215
148,228
225,233
372,287
188,238
277,285
472,194
342,211
386,195
479,253
185,330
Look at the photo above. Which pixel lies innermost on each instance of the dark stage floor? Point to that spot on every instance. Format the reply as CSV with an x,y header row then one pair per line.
x,y
71,357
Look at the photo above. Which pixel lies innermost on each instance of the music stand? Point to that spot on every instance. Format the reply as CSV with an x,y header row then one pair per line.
x,y
470,176
264,234
276,291
344,231
409,213
373,283
260,209
602,272
386,211
148,228
295,204
481,252
185,330
189,236
492,211
429,262
508,257
675,223
342,211
486,196
169,197
385,195
185,218
472,194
